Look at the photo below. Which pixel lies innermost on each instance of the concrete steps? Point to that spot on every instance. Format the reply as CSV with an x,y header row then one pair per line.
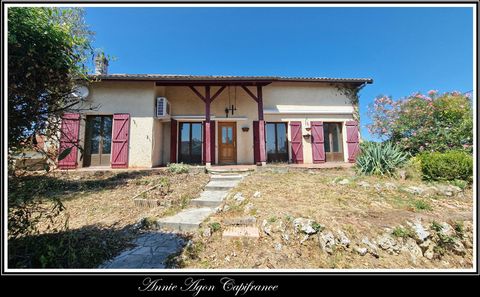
x,y
203,206
186,220
210,199
227,171
221,185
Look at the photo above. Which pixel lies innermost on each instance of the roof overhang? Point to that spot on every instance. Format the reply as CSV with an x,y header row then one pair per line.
x,y
197,80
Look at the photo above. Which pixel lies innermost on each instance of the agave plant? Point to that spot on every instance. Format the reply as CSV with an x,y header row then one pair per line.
x,y
380,158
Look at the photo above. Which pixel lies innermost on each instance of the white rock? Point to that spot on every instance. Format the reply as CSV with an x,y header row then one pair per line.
x,y
239,198
361,250
378,187
248,207
327,241
343,182
448,190
285,237
414,190
447,229
458,248
390,186
278,246
372,247
257,194
266,227
304,225
420,233
388,243
411,248
207,232
363,184
429,253
342,239
305,237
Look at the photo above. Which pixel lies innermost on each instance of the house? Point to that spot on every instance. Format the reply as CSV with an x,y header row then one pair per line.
x,y
149,120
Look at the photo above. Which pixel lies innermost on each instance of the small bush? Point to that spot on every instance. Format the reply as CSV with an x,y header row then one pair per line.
x,y
402,232
413,168
178,168
462,184
452,165
317,227
435,226
215,226
422,205
380,158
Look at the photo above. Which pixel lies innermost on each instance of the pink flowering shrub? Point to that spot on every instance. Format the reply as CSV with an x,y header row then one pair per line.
x,y
432,122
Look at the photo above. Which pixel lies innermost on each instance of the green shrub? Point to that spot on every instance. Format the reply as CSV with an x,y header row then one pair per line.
x,y
452,165
380,158
402,232
422,205
215,226
178,168
413,168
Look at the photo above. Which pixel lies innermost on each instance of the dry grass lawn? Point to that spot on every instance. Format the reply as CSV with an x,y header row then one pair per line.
x,y
356,210
100,212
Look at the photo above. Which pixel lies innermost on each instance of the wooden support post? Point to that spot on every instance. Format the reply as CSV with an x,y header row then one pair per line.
x,y
208,155
261,127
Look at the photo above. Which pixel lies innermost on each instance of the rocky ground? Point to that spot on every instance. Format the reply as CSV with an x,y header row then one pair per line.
x,y
335,219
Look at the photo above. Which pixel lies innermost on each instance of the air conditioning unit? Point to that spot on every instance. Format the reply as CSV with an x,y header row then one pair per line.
x,y
162,110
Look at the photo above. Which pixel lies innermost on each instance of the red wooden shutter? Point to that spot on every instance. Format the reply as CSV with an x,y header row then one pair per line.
x,y
296,141
212,142
352,140
256,142
173,141
69,138
121,128
318,148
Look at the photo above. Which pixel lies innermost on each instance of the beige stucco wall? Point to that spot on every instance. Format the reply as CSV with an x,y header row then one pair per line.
x,y
134,98
283,102
185,103
149,143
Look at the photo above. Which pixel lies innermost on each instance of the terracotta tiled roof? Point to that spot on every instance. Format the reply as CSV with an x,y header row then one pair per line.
x,y
174,77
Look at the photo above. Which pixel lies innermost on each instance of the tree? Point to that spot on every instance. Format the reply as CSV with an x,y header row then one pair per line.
x,y
420,122
48,50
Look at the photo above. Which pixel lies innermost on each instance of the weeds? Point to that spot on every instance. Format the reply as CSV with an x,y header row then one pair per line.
x,y
402,232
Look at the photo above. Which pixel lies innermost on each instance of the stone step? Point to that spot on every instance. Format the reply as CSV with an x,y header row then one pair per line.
x,y
226,177
186,220
210,198
230,171
221,185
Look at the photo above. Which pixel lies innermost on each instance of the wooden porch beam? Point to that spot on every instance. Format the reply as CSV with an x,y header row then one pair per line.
x,y
250,93
217,93
208,100
197,93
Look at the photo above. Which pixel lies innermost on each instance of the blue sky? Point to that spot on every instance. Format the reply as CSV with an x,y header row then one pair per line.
x,y
404,50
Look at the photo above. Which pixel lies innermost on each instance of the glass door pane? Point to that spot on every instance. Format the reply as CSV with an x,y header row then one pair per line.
x,y
184,141
107,135
276,142
190,144
270,131
282,139
196,143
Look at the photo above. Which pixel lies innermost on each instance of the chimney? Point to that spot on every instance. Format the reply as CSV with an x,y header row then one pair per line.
x,y
101,64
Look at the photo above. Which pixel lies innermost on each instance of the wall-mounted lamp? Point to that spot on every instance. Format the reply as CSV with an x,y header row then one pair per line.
x,y
245,129
306,136
307,126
